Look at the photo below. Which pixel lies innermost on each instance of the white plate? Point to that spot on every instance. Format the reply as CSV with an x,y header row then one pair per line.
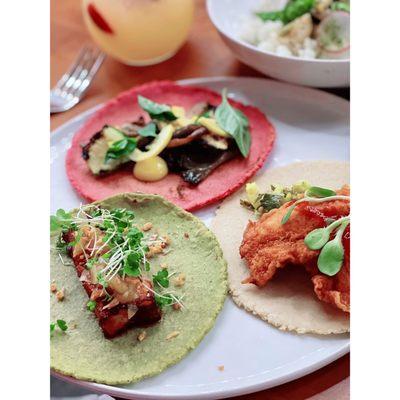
x,y
310,125
228,17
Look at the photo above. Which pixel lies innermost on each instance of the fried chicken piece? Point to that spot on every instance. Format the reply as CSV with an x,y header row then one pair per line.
x,y
268,245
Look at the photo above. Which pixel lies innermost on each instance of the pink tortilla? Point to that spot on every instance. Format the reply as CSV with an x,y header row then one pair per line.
x,y
221,183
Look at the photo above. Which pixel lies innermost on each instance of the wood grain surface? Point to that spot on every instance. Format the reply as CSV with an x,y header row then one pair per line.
x,y
203,55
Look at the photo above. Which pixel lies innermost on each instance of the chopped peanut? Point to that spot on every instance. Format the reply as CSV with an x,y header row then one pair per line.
x,y
180,280
142,335
221,368
167,239
147,226
154,249
186,235
53,287
176,306
163,266
60,295
172,335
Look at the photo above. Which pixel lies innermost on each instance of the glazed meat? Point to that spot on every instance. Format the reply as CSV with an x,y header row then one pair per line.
x,y
131,304
268,245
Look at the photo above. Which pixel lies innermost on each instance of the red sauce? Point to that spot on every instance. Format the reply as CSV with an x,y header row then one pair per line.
x,y
329,213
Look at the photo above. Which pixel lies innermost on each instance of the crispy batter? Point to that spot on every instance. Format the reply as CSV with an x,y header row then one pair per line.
x,y
268,245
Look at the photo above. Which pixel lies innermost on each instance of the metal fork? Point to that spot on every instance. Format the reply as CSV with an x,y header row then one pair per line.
x,y
72,86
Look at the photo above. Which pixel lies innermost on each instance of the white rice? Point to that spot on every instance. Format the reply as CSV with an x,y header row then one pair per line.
x,y
265,35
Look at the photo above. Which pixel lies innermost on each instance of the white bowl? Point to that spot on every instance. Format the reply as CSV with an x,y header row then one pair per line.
x,y
228,16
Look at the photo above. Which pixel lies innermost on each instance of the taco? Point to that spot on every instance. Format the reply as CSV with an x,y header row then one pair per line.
x,y
129,275
188,144
286,240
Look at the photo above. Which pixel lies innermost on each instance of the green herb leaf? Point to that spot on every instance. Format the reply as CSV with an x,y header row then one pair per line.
x,y
91,305
164,300
296,8
150,130
132,264
161,278
160,112
317,238
61,220
340,6
270,15
62,325
52,327
331,258
235,123
270,201
315,191
120,148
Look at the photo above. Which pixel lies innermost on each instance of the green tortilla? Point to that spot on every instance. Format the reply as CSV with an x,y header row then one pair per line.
x,y
82,351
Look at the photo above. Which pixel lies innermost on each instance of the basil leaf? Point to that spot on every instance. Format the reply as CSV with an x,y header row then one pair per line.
x,y
160,112
148,130
235,123
331,257
317,238
315,191
120,148
270,201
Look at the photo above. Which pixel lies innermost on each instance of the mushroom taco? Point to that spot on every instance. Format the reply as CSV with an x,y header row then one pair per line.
x,y
286,240
188,144
129,275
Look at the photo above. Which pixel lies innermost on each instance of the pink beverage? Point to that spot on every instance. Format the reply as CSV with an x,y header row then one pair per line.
x,y
139,32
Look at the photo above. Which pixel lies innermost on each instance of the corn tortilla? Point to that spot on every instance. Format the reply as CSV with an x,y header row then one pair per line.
x,y
83,352
288,301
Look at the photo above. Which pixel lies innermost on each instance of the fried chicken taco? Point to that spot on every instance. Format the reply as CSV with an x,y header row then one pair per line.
x,y
188,144
286,238
129,276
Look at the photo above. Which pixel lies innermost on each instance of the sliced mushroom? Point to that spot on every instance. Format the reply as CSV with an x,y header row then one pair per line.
x,y
195,134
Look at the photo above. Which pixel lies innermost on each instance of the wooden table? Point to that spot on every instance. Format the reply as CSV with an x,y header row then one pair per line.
x,y
204,54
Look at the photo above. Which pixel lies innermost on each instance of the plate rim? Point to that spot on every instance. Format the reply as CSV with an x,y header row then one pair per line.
x,y
219,393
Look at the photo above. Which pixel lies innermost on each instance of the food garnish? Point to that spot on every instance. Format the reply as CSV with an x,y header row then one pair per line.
x,y
279,195
303,28
172,335
111,256
61,324
60,294
331,257
192,143
315,195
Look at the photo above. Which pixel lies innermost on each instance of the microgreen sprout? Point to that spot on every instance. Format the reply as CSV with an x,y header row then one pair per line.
x,y
112,245
330,259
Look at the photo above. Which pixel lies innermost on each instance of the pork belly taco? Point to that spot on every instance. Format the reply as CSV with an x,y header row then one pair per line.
x,y
129,275
189,144
286,238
